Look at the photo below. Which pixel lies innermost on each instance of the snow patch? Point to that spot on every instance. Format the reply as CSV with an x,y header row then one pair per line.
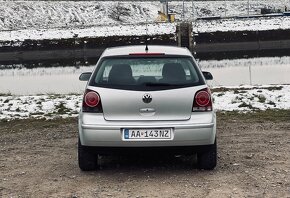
x,y
235,98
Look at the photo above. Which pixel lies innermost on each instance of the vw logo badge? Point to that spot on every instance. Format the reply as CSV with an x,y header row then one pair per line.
x,y
147,98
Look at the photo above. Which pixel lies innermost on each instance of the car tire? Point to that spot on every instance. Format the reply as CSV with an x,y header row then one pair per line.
x,y
207,158
87,158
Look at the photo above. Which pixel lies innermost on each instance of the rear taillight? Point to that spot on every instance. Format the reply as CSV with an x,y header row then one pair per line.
x,y
202,101
92,102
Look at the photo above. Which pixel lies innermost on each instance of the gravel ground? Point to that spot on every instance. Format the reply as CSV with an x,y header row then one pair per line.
x,y
39,159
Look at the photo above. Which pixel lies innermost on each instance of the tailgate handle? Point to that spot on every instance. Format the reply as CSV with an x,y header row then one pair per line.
x,y
147,110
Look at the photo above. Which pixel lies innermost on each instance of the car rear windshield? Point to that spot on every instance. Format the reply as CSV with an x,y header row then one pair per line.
x,y
146,73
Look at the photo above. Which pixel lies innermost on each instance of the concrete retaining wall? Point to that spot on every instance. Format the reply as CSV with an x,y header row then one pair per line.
x,y
242,41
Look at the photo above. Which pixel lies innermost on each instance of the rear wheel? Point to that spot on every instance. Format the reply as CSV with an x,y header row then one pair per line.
x,y
87,158
207,159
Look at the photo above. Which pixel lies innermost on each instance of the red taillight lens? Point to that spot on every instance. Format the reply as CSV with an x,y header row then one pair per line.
x,y
202,101
92,102
92,99
202,98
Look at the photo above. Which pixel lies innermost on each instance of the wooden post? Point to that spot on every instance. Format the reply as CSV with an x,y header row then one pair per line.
x,y
184,35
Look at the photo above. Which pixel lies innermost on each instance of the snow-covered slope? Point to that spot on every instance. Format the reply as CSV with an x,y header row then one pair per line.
x,y
88,32
37,20
18,15
243,24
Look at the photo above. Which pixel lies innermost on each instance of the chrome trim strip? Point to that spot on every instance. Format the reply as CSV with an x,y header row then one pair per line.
x,y
118,127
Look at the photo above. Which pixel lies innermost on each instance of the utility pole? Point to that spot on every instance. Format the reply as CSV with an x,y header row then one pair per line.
x,y
164,10
192,14
250,74
248,8
193,17
182,10
225,8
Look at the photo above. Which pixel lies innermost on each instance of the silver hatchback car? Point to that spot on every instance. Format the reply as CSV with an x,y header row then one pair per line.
x,y
138,98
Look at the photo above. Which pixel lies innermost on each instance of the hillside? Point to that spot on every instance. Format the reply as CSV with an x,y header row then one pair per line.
x,y
22,20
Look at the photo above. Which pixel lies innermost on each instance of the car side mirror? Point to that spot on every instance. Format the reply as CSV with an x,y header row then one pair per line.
x,y
85,76
207,75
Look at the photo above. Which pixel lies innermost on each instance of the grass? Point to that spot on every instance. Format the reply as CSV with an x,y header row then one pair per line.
x,y
74,94
256,116
17,125
62,109
275,88
6,94
37,113
220,94
272,103
244,89
245,105
55,96
236,91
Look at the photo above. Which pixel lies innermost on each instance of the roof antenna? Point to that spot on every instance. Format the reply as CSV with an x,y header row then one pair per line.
x,y
146,37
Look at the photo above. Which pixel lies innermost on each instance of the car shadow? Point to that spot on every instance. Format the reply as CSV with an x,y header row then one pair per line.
x,y
147,162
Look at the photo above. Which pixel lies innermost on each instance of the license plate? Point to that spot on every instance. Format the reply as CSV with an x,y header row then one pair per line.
x,y
147,134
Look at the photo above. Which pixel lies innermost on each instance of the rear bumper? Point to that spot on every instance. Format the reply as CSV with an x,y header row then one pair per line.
x,y
199,130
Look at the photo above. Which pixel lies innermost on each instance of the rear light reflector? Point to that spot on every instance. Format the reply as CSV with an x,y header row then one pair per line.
x,y
202,98
202,101
92,99
92,102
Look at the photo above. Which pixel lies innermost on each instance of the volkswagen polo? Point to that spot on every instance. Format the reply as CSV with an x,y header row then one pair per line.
x,y
147,98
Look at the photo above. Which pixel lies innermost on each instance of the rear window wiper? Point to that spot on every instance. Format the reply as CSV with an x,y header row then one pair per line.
x,y
152,84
